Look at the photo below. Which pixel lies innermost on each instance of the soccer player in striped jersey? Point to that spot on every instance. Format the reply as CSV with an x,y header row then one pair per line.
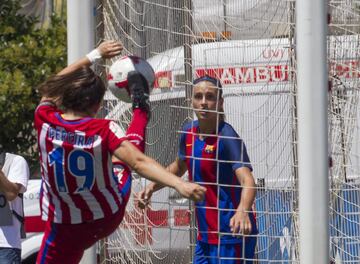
x,y
80,197
136,135
215,157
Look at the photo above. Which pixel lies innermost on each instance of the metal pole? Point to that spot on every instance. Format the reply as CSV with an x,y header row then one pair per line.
x,y
225,16
80,28
313,133
80,41
188,94
188,50
294,136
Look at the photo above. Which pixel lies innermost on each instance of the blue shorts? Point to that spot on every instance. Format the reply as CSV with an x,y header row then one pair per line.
x,y
228,254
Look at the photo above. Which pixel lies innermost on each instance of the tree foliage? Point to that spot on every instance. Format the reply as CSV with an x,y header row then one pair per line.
x,y
28,55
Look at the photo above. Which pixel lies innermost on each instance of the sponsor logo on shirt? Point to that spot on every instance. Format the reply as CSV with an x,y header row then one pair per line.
x,y
119,172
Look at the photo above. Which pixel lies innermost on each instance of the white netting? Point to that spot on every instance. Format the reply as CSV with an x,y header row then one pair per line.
x,y
249,45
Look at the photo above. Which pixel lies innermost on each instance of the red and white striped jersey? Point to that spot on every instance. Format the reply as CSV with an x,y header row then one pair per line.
x,y
78,184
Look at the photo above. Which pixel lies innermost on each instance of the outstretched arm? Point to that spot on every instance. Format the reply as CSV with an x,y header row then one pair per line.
x,y
105,50
178,167
153,171
240,222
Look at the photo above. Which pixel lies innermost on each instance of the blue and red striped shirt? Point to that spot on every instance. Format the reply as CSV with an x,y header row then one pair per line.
x,y
212,162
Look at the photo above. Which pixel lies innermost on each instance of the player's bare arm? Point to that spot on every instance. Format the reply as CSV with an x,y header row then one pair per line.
x,y
106,49
153,171
178,167
10,189
240,222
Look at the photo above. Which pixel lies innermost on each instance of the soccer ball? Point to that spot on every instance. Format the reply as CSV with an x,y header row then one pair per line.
x,y
117,77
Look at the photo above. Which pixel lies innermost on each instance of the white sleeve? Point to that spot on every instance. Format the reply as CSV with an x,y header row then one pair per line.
x,y
19,172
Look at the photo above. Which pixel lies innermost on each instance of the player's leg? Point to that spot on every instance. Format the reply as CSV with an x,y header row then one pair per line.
x,y
141,110
66,243
123,174
56,246
136,131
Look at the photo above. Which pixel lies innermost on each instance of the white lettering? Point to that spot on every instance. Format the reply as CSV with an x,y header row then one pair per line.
x,y
78,138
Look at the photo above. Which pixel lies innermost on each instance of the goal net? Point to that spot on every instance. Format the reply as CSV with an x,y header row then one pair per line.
x,y
250,46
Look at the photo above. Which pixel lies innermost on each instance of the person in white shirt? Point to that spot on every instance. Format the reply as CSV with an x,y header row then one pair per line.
x,y
14,176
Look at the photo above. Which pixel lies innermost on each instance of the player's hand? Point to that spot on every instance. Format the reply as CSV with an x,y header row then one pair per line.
x,y
240,223
109,49
191,191
143,198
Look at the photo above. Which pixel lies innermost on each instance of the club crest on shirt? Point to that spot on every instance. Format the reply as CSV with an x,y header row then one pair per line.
x,y
209,149
119,172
